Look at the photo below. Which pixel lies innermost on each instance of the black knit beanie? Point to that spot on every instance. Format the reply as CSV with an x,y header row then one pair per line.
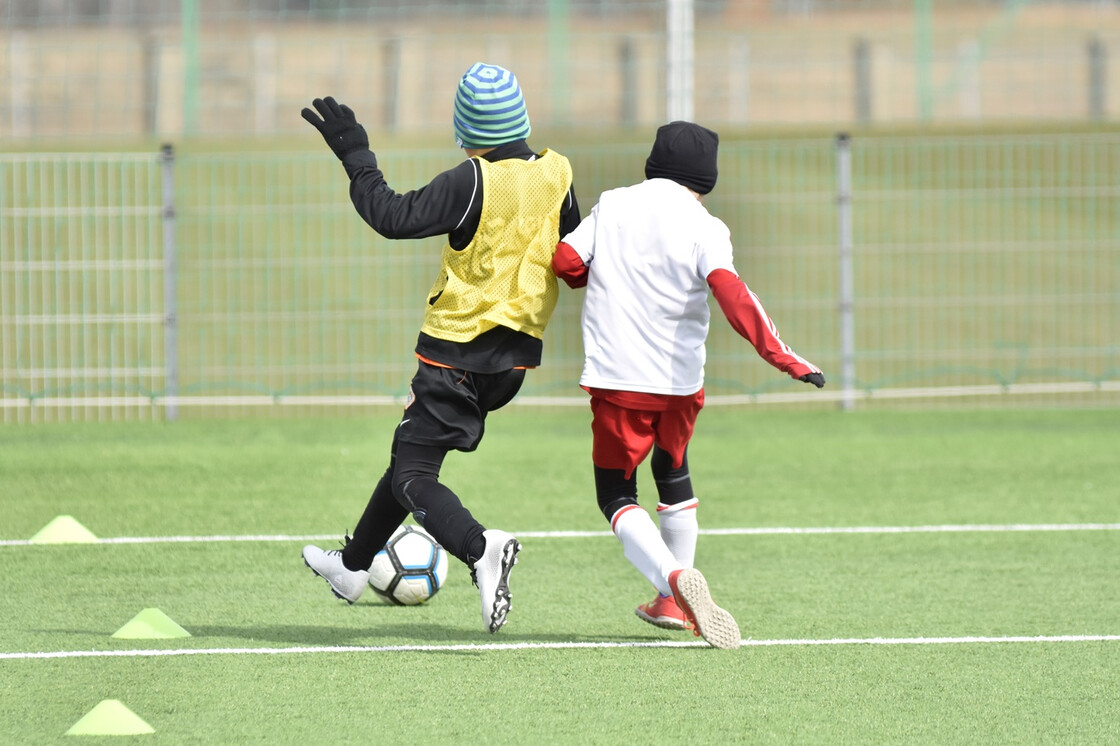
x,y
686,153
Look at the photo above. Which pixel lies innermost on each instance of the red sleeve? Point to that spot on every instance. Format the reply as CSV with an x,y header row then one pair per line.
x,y
568,266
747,316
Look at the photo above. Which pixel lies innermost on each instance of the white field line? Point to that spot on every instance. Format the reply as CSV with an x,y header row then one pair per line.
x,y
306,650
748,531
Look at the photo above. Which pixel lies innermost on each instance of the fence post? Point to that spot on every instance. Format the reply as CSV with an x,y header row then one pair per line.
x,y
679,58
628,67
846,305
170,310
861,61
923,52
559,62
1098,64
392,59
21,62
189,22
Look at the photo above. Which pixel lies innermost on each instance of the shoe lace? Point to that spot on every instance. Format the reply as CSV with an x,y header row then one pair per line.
x,y
472,562
346,540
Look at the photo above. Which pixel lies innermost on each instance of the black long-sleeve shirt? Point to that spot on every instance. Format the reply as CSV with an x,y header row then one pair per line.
x,y
450,204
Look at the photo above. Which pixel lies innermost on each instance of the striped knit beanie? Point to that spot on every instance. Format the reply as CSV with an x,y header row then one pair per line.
x,y
489,108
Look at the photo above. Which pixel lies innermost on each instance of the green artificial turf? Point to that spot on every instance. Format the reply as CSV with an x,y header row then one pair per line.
x,y
862,637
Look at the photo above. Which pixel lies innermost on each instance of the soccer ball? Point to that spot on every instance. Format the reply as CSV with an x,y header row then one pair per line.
x,y
410,569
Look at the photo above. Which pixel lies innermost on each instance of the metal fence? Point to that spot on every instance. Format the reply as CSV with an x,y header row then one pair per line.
x,y
913,270
82,316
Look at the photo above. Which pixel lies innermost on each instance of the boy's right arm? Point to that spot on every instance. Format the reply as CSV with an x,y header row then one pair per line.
x,y
573,265
568,266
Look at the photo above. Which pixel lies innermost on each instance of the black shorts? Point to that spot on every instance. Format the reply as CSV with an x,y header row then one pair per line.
x,y
447,407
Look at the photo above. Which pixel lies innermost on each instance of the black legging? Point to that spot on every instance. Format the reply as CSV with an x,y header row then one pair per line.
x,y
614,491
411,485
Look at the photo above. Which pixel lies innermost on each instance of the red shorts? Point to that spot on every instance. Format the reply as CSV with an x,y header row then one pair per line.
x,y
625,426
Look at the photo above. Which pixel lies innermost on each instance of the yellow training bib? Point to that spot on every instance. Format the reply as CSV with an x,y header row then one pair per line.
x,y
504,276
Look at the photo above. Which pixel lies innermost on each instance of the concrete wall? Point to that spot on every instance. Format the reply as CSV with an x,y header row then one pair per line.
x,y
749,70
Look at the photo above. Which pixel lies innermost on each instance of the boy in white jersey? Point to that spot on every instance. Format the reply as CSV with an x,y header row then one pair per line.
x,y
648,255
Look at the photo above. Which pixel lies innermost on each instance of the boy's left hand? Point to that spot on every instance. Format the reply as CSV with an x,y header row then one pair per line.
x,y
338,126
817,379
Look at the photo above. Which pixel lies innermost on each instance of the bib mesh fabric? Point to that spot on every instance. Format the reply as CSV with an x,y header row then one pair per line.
x,y
504,276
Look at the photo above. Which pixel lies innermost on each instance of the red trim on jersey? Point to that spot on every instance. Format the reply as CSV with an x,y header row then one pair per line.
x,y
568,266
618,514
649,402
747,316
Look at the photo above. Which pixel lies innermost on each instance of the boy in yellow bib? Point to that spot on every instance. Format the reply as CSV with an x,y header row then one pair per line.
x,y
503,211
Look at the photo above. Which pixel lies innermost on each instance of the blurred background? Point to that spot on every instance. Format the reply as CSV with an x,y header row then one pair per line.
x,y
925,194
126,68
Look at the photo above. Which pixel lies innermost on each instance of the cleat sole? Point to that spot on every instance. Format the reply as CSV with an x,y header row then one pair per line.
x,y
714,624
503,599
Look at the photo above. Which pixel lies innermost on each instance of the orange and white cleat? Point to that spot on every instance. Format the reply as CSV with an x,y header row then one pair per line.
x,y
664,612
716,625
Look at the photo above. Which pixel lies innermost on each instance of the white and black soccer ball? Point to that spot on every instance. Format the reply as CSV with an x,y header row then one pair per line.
x,y
410,569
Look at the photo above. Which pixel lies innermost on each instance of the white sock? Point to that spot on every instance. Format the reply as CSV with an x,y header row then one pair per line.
x,y
643,546
679,529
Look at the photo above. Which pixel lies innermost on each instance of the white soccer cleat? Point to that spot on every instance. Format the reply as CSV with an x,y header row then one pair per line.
x,y
491,574
346,584
714,624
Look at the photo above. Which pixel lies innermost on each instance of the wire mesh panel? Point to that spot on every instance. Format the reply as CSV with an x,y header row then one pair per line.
x,y
981,267
81,286
284,292
286,296
987,261
778,199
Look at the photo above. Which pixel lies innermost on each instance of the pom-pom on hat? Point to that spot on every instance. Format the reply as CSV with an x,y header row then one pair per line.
x,y
489,108
686,153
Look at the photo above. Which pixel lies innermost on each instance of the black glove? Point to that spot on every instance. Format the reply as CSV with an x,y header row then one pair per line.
x,y
338,126
817,379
